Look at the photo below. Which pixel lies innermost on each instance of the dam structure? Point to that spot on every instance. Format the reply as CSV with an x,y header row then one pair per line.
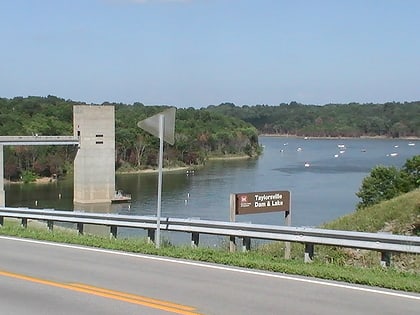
x,y
94,164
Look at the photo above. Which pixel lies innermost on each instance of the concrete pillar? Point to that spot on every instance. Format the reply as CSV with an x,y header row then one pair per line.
x,y
94,165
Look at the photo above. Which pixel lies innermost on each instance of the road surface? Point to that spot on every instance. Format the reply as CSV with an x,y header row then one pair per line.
x,y
48,278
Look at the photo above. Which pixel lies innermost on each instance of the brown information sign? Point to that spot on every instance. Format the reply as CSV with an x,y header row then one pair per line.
x,y
257,202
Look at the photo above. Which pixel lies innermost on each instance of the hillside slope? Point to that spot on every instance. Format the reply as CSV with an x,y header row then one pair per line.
x,y
400,215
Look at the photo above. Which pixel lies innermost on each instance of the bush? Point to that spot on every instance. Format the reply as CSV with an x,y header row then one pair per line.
x,y
28,176
385,183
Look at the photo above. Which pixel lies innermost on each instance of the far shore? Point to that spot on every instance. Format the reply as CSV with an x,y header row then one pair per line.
x,y
154,170
47,180
41,180
184,168
335,138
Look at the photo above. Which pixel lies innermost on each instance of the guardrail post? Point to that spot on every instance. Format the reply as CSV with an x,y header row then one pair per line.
x,y
80,227
113,231
195,237
385,259
232,244
309,252
246,244
150,236
287,245
1,221
385,256
50,225
24,223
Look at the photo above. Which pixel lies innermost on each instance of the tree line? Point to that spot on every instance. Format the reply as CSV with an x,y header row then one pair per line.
x,y
332,120
222,130
199,134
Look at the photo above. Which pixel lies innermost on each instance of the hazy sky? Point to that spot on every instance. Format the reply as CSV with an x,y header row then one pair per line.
x,y
201,52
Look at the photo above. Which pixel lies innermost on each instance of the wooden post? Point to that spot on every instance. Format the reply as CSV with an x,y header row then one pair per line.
x,y
385,256
232,241
1,221
195,237
50,225
150,236
385,259
113,231
309,252
288,222
24,223
246,244
80,227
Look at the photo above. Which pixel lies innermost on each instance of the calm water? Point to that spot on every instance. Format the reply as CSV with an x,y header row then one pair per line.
x,y
321,192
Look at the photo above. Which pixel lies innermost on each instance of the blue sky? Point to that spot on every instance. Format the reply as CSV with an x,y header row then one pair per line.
x,y
195,53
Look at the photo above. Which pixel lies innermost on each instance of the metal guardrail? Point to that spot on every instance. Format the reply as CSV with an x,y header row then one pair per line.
x,y
39,140
382,242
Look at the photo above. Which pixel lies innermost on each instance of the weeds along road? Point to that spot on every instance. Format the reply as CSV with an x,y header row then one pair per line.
x,y
48,278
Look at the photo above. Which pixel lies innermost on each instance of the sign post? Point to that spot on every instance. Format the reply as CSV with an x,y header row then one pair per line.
x,y
162,126
232,243
259,202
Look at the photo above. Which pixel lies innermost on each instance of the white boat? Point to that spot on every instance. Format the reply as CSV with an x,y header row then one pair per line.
x,y
411,144
394,154
307,164
341,146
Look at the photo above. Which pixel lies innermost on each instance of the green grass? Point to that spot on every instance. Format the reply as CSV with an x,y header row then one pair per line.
x,y
400,215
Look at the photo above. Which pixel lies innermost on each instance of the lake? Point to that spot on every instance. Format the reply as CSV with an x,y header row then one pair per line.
x,y
321,190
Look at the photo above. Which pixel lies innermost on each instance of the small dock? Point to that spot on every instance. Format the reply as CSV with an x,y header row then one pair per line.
x,y
121,197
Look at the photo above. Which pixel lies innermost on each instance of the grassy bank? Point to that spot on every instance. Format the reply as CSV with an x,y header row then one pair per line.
x,y
400,215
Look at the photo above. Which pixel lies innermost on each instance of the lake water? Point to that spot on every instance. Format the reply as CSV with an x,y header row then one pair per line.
x,y
323,191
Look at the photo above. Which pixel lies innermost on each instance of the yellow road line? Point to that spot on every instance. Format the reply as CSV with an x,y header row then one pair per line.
x,y
121,296
134,297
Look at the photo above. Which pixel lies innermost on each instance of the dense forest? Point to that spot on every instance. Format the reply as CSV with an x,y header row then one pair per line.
x,y
199,134
394,120
221,130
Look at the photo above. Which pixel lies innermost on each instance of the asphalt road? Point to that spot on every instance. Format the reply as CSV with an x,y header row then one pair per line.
x,y
47,278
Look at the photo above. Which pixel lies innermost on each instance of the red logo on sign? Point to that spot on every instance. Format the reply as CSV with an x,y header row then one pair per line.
x,y
244,198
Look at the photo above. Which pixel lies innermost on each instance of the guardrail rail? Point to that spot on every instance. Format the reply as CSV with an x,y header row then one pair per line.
x,y
381,242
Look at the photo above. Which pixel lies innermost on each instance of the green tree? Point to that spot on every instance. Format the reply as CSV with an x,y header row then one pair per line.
x,y
412,169
383,183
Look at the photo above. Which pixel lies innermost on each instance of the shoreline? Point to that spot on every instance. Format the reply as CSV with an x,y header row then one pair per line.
x,y
155,170
48,180
336,138
41,180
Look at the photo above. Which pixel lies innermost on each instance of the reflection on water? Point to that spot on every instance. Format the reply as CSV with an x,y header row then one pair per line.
x,y
322,190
